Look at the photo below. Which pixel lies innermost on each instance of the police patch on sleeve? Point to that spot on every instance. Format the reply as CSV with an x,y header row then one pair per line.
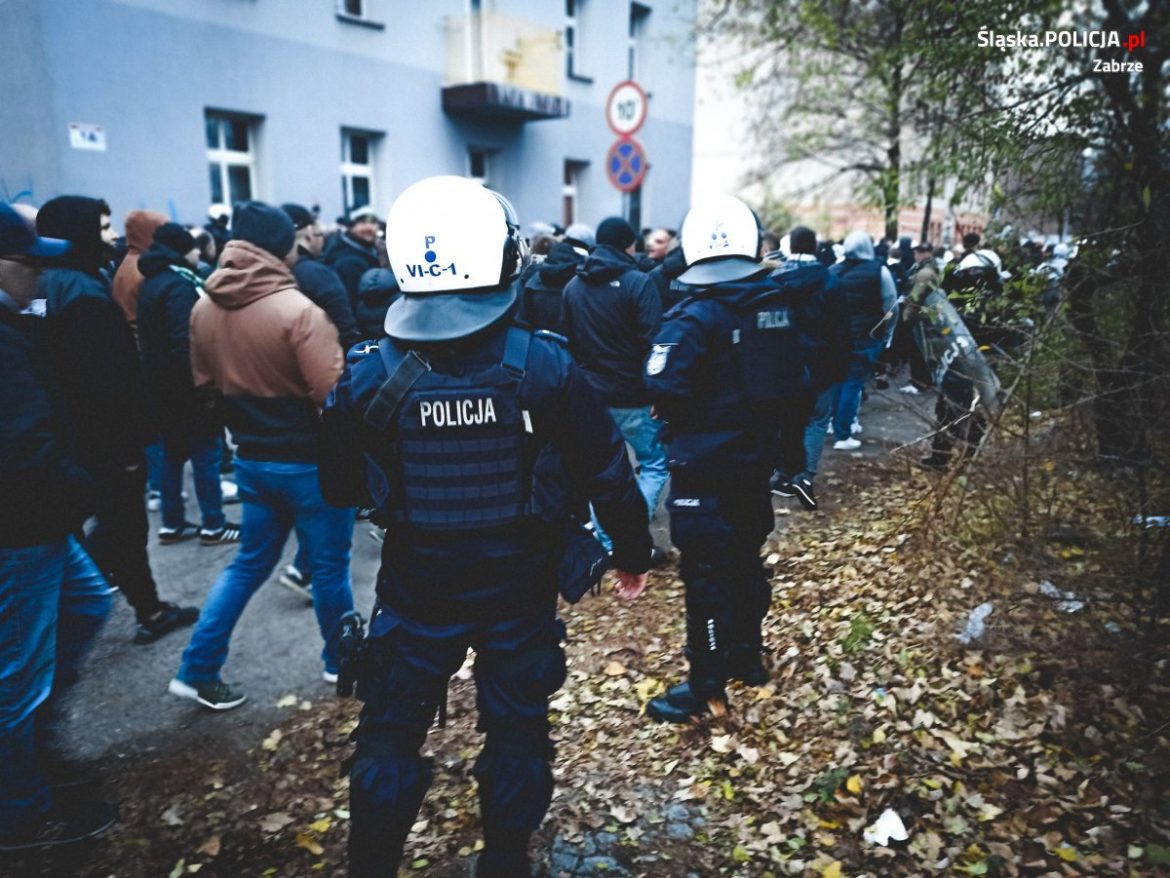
x,y
656,362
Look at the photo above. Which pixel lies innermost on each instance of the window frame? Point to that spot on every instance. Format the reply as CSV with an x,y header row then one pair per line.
x,y
350,169
226,158
573,19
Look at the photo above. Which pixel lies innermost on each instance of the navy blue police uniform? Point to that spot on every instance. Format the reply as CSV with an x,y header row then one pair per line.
x,y
469,451
724,364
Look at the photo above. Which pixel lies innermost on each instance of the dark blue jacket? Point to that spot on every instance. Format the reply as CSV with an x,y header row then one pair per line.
x,y
498,572
860,286
167,295
324,287
350,259
611,312
720,385
44,494
96,369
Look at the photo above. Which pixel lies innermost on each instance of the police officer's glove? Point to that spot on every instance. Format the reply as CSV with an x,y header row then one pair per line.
x,y
629,586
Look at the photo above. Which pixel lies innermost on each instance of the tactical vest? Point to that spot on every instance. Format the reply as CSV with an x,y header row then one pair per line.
x,y
460,444
759,359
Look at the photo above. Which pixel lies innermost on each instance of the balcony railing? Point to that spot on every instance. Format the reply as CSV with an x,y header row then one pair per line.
x,y
504,68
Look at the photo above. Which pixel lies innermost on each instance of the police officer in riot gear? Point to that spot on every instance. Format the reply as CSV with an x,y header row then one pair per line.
x,y
472,436
723,366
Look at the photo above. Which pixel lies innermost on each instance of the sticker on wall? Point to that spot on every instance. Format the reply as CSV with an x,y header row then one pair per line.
x,y
83,135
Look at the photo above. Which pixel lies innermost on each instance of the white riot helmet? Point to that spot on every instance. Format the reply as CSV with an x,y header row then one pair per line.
x,y
721,242
456,251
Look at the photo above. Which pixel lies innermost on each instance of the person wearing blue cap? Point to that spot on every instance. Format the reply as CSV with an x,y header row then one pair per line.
x,y
53,599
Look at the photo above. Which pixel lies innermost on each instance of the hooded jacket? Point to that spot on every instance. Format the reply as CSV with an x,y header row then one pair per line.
x,y
540,302
140,226
868,292
351,259
268,350
611,312
170,289
95,359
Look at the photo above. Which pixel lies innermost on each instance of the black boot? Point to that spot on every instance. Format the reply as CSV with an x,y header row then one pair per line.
x,y
746,664
681,705
498,864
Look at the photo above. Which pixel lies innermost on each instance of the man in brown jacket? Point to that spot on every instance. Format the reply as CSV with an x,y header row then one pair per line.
x,y
273,356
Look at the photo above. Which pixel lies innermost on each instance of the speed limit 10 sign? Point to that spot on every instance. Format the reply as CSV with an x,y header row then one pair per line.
x,y
625,111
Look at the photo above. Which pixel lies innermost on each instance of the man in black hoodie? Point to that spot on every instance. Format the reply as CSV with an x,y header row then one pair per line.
x,y
53,599
611,312
97,369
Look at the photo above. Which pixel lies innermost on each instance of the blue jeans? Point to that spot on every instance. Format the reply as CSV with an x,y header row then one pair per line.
x,y
53,600
275,497
641,431
849,391
154,465
814,433
203,452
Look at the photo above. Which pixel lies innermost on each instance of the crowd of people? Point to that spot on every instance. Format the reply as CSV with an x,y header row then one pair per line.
x,y
454,388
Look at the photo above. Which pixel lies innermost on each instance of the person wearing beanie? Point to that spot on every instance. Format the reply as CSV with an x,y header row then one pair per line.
x,y
100,381
610,313
354,251
615,232
189,430
261,346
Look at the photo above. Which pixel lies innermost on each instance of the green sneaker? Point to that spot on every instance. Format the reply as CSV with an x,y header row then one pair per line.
x,y
215,694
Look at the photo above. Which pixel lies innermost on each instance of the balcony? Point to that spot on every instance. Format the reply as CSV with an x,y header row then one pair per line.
x,y
502,69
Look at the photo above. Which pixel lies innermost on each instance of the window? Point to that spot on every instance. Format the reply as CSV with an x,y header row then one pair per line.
x,y
231,156
572,185
357,12
479,165
638,14
357,167
573,56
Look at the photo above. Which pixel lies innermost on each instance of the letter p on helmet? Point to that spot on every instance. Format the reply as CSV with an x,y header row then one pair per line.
x,y
428,241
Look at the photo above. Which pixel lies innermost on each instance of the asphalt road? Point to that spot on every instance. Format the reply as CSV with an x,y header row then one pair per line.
x,y
121,708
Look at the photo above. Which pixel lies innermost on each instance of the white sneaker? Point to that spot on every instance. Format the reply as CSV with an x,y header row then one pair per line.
x,y
909,388
855,427
329,677
153,501
297,582
230,491
847,444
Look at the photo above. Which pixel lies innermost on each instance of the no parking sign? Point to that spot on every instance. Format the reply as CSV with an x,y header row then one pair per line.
x,y
626,164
